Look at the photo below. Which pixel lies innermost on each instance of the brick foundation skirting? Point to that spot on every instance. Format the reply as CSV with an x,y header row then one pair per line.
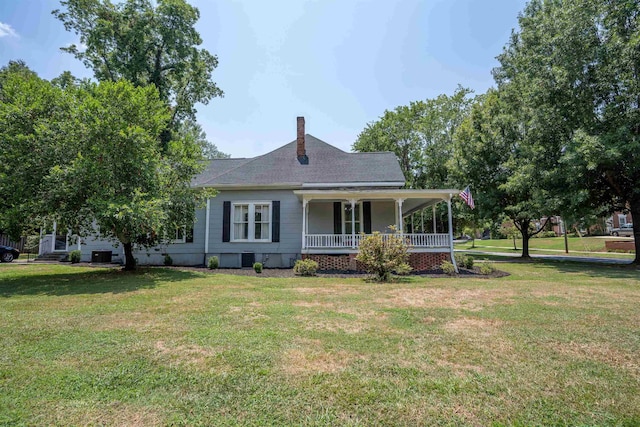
x,y
419,261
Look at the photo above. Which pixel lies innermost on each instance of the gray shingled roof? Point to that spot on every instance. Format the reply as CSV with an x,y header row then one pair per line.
x,y
327,164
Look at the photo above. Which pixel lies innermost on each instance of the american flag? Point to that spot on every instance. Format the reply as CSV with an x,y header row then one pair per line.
x,y
467,197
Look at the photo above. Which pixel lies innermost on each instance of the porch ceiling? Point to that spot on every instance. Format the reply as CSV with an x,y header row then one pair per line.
x,y
413,200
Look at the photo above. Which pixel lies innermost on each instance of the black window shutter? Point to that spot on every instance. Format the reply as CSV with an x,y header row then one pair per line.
x,y
189,237
337,218
366,213
226,221
275,221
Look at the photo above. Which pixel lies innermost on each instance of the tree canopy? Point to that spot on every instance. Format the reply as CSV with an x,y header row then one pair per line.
x,y
146,45
421,136
581,60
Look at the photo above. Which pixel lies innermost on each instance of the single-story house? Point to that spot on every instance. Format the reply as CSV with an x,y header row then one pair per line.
x,y
306,199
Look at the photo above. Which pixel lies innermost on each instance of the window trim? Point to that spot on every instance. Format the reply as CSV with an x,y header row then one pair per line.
x,y
344,217
251,223
184,236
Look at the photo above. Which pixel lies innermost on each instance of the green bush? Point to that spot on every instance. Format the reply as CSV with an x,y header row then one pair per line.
x,y
74,256
213,263
257,266
487,268
403,269
168,260
383,255
463,260
448,268
468,262
305,267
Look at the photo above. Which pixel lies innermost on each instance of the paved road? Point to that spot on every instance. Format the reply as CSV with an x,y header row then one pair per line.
x,y
555,257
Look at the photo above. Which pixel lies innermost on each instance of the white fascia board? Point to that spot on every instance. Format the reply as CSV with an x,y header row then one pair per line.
x,y
353,184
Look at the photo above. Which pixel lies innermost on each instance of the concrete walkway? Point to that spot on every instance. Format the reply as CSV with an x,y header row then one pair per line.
x,y
552,257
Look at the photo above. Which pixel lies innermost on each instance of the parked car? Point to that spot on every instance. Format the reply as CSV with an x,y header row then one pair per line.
x,y
624,230
8,254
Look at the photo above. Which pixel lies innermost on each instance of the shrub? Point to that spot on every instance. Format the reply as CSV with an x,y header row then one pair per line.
x,y
403,269
305,267
213,263
257,266
74,256
463,260
448,268
468,262
168,260
487,268
382,255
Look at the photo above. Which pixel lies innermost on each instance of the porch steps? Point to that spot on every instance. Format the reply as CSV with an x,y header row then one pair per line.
x,y
58,256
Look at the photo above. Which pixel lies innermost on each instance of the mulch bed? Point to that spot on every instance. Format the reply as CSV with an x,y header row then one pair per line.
x,y
288,272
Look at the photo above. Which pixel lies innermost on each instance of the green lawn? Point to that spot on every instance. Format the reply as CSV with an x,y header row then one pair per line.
x,y
551,344
593,247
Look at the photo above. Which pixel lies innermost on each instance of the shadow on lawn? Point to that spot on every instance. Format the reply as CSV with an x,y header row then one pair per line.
x,y
112,281
593,269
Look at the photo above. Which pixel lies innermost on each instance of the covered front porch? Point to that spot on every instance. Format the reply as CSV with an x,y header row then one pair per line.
x,y
334,221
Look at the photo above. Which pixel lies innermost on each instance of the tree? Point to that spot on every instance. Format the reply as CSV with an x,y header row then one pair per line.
x,y
582,60
118,181
145,45
193,131
421,136
501,150
31,113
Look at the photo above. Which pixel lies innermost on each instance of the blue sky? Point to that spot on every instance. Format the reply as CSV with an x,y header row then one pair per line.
x,y
339,63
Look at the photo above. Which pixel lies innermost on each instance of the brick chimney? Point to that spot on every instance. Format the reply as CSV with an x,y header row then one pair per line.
x,y
301,152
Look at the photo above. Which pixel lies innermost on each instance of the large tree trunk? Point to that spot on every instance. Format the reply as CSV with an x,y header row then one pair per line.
x,y
129,260
524,230
635,217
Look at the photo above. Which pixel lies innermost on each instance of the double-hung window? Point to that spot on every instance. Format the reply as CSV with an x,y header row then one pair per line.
x,y
251,222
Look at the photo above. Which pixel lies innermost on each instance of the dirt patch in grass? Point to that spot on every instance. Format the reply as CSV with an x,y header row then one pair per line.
x,y
469,299
600,352
310,358
472,326
114,414
347,326
186,354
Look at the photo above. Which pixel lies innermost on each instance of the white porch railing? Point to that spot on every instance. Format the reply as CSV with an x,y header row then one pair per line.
x,y
346,241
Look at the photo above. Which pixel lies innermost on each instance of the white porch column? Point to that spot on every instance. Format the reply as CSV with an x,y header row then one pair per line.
x,y
453,258
400,220
40,242
206,228
353,223
422,220
434,219
304,222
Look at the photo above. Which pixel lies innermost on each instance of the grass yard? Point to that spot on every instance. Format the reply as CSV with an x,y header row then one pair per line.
x,y
551,344
592,247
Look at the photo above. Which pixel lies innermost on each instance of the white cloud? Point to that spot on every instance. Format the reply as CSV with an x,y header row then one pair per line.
x,y
7,31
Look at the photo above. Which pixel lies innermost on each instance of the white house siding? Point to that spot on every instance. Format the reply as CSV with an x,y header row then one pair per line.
x,y
271,254
181,253
321,216
382,215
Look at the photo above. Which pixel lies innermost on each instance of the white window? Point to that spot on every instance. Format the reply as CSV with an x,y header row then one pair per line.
x,y
347,216
179,236
251,222
622,219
